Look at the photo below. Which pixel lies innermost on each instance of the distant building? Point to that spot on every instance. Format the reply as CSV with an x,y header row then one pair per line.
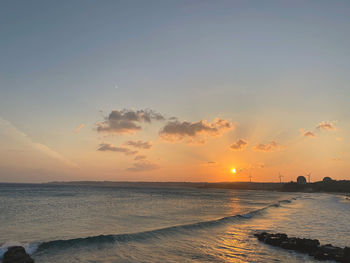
x,y
301,180
327,179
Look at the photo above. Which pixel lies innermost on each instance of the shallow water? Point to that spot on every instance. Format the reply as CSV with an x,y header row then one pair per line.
x,y
142,224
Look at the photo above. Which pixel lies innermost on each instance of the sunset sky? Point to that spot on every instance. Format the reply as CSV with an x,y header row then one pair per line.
x,y
174,90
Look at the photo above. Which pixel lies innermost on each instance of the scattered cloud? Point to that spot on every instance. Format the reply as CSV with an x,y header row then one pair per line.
x,y
140,157
139,144
326,126
177,131
309,134
127,121
259,165
249,167
209,163
104,147
337,159
239,145
143,166
268,147
77,129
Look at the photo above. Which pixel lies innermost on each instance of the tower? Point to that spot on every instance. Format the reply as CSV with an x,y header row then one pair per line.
x,y
280,177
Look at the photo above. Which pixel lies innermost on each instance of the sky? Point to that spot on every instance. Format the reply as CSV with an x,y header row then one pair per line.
x,y
174,90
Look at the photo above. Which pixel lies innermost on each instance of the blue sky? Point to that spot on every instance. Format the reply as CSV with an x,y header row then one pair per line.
x,y
270,67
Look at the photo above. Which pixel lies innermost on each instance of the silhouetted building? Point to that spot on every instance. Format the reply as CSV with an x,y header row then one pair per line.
x,y
301,180
327,179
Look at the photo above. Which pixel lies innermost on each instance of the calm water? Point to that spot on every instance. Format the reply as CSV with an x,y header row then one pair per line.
x,y
115,224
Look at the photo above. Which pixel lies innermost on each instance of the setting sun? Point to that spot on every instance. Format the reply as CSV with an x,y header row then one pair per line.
x,y
192,126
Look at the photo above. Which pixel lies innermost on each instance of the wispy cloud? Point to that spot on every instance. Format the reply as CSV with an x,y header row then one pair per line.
x,y
13,131
105,147
175,130
326,126
239,145
140,157
259,165
337,159
77,129
127,121
268,147
209,163
139,144
143,166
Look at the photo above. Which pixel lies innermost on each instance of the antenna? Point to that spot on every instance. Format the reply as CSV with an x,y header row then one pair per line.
x,y
250,174
280,177
250,177
309,176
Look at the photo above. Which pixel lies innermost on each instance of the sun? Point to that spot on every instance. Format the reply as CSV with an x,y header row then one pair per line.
x,y
233,170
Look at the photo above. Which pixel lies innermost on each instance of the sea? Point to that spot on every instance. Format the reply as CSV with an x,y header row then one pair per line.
x,y
100,224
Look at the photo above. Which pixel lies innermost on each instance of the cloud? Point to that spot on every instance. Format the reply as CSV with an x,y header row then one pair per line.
x,y
249,167
307,133
326,126
336,159
268,147
77,129
259,165
143,166
339,139
177,131
139,144
140,157
210,164
17,134
127,121
239,145
104,147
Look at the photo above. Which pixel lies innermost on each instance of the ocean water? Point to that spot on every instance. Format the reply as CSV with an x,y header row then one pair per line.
x,y
100,224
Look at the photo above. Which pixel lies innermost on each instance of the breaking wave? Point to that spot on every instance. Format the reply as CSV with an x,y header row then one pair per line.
x,y
86,241
62,244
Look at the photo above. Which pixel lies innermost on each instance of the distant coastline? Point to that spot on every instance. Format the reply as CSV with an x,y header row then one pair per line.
x,y
336,186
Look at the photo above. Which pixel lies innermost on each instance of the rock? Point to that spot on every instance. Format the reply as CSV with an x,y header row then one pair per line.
x,y
306,245
261,236
335,253
281,236
329,252
275,239
289,244
16,254
322,255
346,255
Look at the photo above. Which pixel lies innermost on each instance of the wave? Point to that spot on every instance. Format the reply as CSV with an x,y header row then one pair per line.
x,y
78,242
29,247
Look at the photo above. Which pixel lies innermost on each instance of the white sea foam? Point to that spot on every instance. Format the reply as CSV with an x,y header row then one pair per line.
x,y
30,248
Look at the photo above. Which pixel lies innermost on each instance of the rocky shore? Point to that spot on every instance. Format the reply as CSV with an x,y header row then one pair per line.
x,y
308,246
16,254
